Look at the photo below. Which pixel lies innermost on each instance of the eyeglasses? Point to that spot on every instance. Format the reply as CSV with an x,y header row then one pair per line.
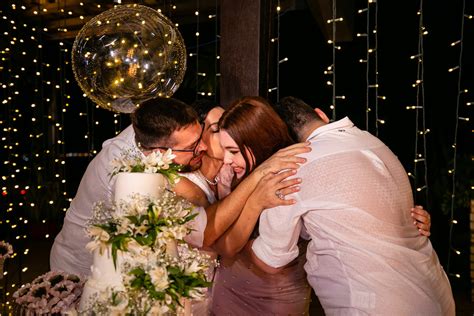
x,y
193,150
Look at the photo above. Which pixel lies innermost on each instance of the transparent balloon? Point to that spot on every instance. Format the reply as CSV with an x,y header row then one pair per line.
x,y
127,55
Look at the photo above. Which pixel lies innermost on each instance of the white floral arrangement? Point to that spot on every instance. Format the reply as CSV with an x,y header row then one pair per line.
x,y
143,221
154,162
155,281
156,284
51,293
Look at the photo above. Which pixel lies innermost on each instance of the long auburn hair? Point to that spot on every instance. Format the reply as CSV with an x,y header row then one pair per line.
x,y
254,125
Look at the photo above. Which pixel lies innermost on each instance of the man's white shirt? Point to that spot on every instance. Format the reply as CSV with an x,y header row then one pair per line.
x,y
69,253
365,256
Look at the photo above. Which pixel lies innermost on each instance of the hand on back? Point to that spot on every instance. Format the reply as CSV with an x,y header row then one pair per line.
x,y
285,158
422,220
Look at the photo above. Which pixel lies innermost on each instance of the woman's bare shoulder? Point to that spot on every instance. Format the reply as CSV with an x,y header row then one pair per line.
x,y
190,191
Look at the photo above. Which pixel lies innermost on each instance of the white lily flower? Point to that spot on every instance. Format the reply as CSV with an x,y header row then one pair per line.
x,y
125,226
197,293
151,169
156,210
142,228
192,268
98,233
159,278
133,247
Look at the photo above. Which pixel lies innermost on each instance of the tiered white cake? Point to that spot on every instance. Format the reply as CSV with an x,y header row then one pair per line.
x,y
103,272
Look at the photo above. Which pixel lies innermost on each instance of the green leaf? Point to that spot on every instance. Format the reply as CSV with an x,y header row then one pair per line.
x,y
173,270
138,272
138,168
188,218
146,240
133,219
140,239
137,283
120,241
151,214
160,222
114,254
110,228
152,234
142,218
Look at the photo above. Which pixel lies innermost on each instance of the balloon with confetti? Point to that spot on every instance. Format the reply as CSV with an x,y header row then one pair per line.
x,y
127,55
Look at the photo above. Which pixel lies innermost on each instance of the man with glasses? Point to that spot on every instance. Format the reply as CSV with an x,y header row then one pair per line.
x,y
158,124
193,152
166,123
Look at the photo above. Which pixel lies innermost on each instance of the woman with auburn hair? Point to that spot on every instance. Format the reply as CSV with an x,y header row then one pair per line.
x,y
213,180
250,132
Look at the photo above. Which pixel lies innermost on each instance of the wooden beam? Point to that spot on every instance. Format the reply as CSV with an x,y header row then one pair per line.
x,y
239,49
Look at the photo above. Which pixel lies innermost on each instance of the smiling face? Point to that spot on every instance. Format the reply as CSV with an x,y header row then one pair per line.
x,y
233,156
210,135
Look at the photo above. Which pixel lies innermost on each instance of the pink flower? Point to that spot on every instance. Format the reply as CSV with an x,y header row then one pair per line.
x,y
6,250
50,293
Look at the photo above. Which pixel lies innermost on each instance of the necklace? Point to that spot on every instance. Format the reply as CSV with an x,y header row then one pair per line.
x,y
216,179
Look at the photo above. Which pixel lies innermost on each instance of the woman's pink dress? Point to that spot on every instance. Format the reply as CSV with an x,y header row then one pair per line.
x,y
240,288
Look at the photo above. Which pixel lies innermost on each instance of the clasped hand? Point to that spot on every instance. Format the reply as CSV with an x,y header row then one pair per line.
x,y
274,184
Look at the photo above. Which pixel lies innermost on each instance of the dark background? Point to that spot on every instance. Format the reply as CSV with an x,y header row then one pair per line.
x,y
27,145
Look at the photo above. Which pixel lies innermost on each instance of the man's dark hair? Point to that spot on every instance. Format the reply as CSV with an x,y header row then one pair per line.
x,y
202,108
296,114
156,119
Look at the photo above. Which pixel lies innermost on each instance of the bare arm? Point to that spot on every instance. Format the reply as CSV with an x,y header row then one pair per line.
x,y
222,214
185,188
259,263
263,197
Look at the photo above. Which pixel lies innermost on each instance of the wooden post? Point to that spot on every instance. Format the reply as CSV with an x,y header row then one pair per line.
x,y
240,48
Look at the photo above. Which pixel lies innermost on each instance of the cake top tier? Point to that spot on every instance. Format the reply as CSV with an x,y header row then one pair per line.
x,y
129,183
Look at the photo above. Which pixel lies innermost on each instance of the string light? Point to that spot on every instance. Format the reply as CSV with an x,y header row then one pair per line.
x,y
216,52
333,21
371,66
378,121
30,43
204,74
371,71
37,96
197,48
460,44
420,164
276,40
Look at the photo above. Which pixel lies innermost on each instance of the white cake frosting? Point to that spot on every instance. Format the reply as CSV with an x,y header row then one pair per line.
x,y
103,272
127,184
104,275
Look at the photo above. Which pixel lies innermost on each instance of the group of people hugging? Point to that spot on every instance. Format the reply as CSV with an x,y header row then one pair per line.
x,y
288,202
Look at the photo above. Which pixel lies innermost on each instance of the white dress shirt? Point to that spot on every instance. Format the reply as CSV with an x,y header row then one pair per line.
x,y
365,256
68,252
